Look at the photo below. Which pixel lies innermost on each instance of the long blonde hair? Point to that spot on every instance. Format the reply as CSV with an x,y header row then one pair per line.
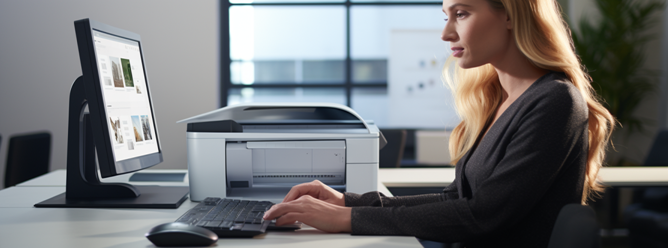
x,y
544,38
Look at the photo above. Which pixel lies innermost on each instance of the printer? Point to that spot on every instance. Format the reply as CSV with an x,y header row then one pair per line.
x,y
261,150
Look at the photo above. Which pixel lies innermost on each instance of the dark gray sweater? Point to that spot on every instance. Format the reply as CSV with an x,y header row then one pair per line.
x,y
509,189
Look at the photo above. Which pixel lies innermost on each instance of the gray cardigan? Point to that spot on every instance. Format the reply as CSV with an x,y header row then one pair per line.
x,y
509,189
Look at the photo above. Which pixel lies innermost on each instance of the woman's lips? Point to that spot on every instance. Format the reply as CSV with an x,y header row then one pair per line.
x,y
457,51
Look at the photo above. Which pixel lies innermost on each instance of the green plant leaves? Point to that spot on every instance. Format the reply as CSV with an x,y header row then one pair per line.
x,y
612,50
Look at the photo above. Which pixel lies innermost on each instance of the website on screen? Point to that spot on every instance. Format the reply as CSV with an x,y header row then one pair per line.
x,y
128,108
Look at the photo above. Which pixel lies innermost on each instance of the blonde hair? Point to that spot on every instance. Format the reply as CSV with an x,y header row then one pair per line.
x,y
544,38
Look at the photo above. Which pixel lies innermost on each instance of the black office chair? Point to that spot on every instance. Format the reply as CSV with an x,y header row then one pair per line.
x,y
393,152
576,227
647,220
28,156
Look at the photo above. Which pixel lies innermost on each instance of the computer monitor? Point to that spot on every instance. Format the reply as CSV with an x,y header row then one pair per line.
x,y
111,124
122,112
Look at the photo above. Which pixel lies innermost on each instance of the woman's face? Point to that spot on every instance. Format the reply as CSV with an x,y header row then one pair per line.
x,y
478,34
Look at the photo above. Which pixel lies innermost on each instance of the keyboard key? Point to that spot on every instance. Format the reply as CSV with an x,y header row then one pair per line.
x,y
212,224
251,227
210,201
226,224
237,227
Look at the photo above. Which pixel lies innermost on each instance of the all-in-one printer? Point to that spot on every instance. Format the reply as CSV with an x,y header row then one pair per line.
x,y
261,150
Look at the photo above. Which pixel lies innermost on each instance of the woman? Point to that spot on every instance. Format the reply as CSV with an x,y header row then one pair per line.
x,y
531,140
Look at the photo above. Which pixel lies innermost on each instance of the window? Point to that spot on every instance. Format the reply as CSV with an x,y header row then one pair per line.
x,y
334,51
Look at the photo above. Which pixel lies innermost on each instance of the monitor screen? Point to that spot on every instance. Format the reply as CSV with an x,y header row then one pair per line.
x,y
124,95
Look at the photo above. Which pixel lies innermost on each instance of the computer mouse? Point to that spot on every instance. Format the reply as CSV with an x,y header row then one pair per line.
x,y
181,234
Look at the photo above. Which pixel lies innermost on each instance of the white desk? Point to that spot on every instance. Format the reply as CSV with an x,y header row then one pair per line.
x,y
441,177
26,197
22,225
59,178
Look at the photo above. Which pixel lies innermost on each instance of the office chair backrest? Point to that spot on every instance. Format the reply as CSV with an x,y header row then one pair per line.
x,y
658,154
393,152
576,227
28,157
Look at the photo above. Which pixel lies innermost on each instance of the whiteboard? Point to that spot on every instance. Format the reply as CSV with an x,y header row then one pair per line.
x,y
418,97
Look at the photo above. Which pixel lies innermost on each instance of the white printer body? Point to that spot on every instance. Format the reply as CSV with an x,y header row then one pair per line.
x,y
261,150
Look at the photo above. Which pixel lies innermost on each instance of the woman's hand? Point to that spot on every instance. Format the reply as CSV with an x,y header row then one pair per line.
x,y
317,190
313,212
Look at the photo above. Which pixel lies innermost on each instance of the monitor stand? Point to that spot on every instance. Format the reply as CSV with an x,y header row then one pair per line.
x,y
84,188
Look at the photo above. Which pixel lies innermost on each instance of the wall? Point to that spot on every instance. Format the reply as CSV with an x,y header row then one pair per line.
x,y
653,108
39,61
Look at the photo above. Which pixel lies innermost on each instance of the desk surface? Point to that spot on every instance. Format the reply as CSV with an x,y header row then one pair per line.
x,y
441,177
59,178
412,177
22,225
69,227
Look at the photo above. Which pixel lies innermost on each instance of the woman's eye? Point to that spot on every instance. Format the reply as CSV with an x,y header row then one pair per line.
x,y
461,14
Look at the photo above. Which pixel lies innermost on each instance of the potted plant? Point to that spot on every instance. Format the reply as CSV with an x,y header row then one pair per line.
x,y
612,50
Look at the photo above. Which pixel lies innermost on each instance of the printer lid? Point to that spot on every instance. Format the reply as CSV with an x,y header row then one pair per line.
x,y
282,113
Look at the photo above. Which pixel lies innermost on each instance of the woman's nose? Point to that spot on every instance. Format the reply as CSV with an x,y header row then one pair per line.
x,y
449,33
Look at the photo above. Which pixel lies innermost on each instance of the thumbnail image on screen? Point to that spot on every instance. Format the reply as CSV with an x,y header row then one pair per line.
x,y
126,101
127,72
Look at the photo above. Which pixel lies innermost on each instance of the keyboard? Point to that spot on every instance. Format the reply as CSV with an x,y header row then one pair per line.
x,y
231,217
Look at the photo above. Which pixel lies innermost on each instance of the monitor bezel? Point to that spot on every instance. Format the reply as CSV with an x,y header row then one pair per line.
x,y
108,166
